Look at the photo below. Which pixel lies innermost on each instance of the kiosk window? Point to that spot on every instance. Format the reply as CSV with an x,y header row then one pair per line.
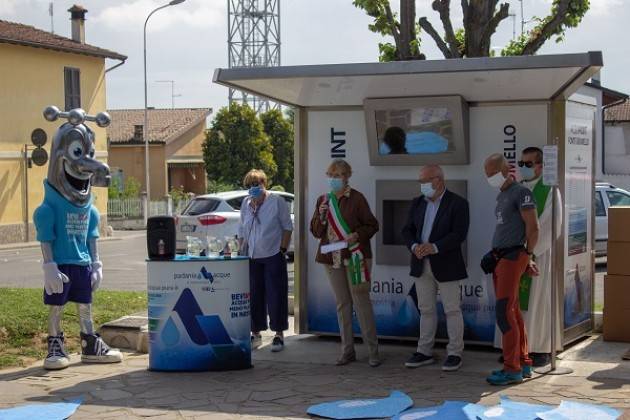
x,y
394,218
600,210
617,198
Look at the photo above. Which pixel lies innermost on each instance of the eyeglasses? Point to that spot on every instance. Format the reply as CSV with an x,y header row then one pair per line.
x,y
425,181
522,163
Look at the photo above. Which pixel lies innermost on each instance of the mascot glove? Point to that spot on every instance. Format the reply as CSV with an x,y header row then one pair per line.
x,y
97,275
53,278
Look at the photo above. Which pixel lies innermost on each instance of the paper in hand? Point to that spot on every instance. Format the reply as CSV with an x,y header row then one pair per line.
x,y
335,246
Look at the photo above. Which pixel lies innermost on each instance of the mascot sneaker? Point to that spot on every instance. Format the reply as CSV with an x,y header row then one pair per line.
x,y
94,350
57,357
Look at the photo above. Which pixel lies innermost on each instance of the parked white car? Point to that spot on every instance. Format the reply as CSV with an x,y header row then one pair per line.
x,y
606,195
217,215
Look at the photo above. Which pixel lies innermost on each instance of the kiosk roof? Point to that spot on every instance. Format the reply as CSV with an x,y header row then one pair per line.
x,y
486,79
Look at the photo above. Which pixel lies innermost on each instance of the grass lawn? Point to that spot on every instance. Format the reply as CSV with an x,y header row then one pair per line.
x,y
24,317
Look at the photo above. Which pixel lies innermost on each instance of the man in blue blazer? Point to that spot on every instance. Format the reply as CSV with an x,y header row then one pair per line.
x,y
436,227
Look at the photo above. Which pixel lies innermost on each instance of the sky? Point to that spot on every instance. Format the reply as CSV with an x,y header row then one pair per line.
x,y
186,42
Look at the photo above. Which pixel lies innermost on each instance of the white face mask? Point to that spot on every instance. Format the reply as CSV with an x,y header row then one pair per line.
x,y
427,190
497,180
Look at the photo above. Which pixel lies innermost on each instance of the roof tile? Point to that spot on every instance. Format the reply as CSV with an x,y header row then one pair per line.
x,y
620,112
17,33
164,124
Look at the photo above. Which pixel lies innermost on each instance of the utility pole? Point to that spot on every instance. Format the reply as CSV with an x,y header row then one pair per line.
x,y
51,13
513,16
173,95
522,19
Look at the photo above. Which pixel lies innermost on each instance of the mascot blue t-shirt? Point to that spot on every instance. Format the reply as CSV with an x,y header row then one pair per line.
x,y
66,226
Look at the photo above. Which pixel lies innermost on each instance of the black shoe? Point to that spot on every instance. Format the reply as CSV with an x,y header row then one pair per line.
x,y
540,359
419,359
452,363
95,350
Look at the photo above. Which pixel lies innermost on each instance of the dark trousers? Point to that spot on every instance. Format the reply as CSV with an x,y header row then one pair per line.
x,y
269,287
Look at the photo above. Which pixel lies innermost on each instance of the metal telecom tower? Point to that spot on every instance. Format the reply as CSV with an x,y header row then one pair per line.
x,y
253,41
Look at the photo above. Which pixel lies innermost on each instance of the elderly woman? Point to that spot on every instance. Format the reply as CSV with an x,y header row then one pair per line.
x,y
343,216
265,232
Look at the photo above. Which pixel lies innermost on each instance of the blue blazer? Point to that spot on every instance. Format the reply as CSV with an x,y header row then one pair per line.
x,y
450,229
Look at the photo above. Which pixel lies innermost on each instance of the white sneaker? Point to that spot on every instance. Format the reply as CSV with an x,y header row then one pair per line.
x,y
256,341
277,344
57,357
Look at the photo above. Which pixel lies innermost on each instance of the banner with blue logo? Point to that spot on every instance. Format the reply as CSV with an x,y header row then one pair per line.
x,y
199,314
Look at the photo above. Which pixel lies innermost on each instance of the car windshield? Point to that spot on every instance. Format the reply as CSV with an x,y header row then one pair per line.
x,y
201,206
618,198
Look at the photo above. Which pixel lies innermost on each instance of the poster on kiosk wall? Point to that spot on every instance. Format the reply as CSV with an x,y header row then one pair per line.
x,y
578,229
506,129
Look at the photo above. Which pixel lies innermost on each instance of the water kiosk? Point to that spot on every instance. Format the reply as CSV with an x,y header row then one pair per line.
x,y
455,113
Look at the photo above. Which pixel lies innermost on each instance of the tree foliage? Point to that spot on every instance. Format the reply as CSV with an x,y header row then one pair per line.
x,y
236,143
280,132
481,19
130,188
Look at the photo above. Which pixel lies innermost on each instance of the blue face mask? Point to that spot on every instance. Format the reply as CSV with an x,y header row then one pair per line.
x,y
336,184
255,192
427,190
527,173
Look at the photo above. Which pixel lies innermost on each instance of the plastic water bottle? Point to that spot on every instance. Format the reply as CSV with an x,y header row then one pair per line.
x,y
227,252
161,250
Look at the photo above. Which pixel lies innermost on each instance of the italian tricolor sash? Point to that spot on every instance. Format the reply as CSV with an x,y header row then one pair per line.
x,y
540,192
355,266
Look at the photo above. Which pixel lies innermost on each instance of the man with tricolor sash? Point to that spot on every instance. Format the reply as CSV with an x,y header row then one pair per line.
x,y
535,292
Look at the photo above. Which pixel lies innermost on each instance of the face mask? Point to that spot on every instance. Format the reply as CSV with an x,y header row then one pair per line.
x,y
427,190
255,192
527,173
496,180
336,184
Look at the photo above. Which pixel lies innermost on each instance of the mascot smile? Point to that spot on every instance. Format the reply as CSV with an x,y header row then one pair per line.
x,y
67,227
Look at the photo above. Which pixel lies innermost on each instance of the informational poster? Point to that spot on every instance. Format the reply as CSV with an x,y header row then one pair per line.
x,y
341,134
578,229
199,314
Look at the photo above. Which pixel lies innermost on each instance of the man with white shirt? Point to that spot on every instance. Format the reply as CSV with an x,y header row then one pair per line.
x,y
436,227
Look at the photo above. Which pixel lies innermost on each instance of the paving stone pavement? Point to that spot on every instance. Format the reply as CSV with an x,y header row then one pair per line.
x,y
284,385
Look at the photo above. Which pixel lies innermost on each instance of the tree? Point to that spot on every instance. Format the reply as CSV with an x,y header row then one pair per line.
x,y
280,132
481,19
236,143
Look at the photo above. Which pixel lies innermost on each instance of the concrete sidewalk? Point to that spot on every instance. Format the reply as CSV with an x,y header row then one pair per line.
x,y
284,385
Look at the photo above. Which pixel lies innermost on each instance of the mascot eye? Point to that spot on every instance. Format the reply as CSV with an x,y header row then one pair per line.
x,y
75,150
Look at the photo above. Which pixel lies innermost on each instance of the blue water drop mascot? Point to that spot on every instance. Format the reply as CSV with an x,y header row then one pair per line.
x,y
67,228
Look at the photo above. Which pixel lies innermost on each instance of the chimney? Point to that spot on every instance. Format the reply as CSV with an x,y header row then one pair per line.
x,y
138,132
77,16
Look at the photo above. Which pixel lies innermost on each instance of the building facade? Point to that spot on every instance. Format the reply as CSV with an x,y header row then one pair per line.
x,y
176,139
38,69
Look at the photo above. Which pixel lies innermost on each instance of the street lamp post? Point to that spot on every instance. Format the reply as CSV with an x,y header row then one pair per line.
x,y
146,117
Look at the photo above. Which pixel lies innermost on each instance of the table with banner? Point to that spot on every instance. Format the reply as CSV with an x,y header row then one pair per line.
x,y
199,314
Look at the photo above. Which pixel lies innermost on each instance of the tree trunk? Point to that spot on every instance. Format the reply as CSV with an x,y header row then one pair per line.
x,y
407,29
480,23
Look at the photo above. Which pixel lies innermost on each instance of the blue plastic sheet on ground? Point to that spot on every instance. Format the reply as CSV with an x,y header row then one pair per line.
x,y
451,410
363,408
506,410
47,411
571,410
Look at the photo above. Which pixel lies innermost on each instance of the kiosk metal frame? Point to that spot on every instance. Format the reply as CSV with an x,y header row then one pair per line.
x,y
548,80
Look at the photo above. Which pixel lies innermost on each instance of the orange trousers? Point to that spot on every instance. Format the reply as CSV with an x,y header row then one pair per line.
x,y
506,279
